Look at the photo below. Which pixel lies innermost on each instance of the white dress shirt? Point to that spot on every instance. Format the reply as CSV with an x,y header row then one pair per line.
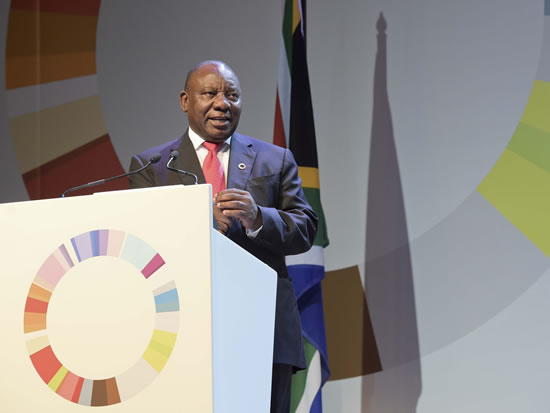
x,y
223,156
223,152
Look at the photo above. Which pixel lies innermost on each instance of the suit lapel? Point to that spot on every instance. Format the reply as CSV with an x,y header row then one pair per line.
x,y
241,161
187,161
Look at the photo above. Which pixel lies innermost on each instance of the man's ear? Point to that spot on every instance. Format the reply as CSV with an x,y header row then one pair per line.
x,y
184,100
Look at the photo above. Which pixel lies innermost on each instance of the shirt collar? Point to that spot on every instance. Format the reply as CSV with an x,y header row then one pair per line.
x,y
198,141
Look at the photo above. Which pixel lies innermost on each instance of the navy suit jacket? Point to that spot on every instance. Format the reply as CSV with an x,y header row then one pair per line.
x,y
289,223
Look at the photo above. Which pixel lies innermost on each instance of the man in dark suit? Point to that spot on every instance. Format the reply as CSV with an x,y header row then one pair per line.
x,y
263,209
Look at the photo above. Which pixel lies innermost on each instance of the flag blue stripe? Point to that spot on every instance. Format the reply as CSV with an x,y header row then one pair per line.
x,y
317,405
305,276
307,279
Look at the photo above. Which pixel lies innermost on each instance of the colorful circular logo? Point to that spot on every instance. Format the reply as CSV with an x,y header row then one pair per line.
x,y
111,390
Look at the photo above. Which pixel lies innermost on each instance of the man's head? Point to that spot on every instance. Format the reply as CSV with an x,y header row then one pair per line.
x,y
212,100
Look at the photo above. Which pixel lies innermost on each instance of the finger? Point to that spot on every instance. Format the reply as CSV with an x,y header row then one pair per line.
x,y
238,214
233,205
232,191
231,194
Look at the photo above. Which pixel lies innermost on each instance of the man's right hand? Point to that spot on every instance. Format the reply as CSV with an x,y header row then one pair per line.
x,y
223,222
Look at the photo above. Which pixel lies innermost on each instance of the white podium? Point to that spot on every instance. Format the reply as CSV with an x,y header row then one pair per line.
x,y
129,301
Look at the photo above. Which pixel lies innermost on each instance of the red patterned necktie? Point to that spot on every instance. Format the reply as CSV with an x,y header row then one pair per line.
x,y
213,168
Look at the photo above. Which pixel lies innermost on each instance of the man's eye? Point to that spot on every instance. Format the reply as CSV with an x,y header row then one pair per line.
x,y
210,93
233,96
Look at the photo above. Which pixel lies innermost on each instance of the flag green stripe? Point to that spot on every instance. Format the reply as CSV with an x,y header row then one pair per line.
x,y
299,378
313,196
287,32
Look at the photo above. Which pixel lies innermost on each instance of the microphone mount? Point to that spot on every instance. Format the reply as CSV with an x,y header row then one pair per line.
x,y
174,154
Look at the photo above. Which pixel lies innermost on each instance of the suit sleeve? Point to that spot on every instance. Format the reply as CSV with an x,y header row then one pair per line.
x,y
290,227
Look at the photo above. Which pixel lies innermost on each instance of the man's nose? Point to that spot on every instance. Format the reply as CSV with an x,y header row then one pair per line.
x,y
221,102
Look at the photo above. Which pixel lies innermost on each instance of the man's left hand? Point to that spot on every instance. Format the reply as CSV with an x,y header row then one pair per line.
x,y
239,205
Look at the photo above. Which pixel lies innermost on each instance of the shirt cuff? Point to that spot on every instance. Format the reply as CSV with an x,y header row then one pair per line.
x,y
252,234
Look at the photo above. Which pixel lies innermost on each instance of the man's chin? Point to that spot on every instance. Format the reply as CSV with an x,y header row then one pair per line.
x,y
219,134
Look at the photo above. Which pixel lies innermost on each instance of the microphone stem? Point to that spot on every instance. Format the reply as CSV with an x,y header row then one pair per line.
x,y
102,181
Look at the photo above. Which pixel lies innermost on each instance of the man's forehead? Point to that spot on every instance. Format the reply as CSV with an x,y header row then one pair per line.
x,y
212,72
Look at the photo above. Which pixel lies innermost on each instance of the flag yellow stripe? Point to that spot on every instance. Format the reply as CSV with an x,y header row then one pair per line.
x,y
309,176
296,17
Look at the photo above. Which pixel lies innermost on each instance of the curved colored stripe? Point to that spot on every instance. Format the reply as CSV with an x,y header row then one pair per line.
x,y
137,252
153,265
94,236
519,190
538,106
167,301
63,257
46,363
52,42
102,242
68,385
116,240
33,70
85,397
159,349
77,391
29,99
34,322
56,380
85,8
44,136
82,246
37,343
531,143
47,34
50,180
517,185
165,287
35,306
135,379
167,321
43,284
39,293
105,392
51,270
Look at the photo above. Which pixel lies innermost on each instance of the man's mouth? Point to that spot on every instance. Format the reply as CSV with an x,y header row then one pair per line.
x,y
220,120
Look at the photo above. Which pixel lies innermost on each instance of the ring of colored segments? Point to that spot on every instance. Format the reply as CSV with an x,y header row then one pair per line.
x,y
104,392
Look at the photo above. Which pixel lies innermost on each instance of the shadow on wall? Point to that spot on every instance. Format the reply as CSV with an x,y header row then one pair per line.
x,y
388,269
378,341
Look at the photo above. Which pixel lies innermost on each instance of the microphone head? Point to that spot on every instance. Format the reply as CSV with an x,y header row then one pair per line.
x,y
174,154
155,158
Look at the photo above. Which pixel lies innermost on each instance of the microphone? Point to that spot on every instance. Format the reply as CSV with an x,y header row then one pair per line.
x,y
173,156
153,159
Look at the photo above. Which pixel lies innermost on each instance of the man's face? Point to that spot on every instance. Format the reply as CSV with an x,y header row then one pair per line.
x,y
212,100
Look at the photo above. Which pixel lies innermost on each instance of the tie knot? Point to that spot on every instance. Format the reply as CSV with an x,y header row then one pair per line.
x,y
211,146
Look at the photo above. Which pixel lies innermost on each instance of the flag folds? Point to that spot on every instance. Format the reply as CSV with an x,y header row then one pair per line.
x,y
294,129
